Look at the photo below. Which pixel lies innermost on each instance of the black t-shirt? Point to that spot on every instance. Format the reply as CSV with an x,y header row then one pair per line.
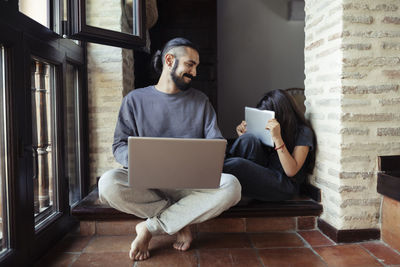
x,y
304,138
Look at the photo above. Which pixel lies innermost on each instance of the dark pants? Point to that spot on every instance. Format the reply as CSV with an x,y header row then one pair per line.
x,y
248,161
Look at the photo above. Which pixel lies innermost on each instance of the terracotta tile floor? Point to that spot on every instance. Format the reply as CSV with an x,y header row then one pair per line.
x,y
291,248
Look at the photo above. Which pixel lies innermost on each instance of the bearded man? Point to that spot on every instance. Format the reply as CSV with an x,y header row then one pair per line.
x,y
171,108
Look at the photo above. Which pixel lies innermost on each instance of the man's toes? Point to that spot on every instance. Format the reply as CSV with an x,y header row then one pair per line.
x,y
145,255
178,245
142,255
185,246
132,254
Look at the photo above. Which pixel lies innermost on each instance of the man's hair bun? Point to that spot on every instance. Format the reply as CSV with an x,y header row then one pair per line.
x,y
157,61
176,42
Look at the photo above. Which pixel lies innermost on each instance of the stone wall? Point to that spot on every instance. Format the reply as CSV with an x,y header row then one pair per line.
x,y
105,95
352,68
110,77
105,85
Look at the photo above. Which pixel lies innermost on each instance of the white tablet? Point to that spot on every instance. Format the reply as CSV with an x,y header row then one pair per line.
x,y
256,121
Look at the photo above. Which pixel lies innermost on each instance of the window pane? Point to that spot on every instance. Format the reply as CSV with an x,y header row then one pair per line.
x,y
3,163
44,182
72,144
126,21
37,10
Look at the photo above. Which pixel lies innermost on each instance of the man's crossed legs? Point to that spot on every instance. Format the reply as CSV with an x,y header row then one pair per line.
x,y
167,211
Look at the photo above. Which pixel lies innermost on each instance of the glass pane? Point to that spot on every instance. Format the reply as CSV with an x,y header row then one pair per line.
x,y
37,10
72,144
44,182
3,163
126,22
64,10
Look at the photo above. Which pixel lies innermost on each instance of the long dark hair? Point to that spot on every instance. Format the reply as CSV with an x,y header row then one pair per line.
x,y
290,118
157,59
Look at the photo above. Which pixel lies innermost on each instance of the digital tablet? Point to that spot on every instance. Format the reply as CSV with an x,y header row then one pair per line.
x,y
256,120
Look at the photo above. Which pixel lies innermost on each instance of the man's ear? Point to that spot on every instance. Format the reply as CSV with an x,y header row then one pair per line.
x,y
169,60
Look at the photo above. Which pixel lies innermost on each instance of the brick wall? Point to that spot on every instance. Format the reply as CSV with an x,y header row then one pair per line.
x,y
110,77
128,77
105,95
105,82
352,68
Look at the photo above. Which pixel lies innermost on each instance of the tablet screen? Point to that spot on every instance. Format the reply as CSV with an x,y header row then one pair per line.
x,y
256,121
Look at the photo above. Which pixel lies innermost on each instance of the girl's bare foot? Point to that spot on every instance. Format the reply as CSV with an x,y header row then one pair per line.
x,y
183,239
140,246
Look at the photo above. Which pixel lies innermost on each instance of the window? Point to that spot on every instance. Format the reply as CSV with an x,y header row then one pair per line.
x,y
37,10
43,126
43,143
91,20
88,21
72,133
4,208
49,13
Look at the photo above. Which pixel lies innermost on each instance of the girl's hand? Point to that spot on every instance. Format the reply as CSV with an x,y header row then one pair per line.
x,y
275,129
241,128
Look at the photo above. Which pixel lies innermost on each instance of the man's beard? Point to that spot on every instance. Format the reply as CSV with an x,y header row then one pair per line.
x,y
179,81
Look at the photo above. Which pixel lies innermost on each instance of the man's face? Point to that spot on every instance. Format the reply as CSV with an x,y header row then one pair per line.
x,y
185,69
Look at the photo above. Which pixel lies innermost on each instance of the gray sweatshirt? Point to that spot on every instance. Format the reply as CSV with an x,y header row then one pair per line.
x,y
150,113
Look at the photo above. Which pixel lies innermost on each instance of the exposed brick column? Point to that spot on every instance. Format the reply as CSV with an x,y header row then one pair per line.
x,y
352,67
105,84
110,77
105,95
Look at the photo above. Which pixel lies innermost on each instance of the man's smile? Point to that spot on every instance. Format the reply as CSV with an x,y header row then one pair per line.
x,y
188,76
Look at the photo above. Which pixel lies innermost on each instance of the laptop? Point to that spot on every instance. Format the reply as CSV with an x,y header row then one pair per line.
x,y
175,163
256,120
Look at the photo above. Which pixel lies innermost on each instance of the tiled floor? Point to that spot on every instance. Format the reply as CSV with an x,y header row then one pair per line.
x,y
290,248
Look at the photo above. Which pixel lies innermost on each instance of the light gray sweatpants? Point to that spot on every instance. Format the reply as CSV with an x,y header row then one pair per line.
x,y
168,210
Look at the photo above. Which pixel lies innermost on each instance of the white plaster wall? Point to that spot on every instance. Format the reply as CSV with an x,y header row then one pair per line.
x,y
259,49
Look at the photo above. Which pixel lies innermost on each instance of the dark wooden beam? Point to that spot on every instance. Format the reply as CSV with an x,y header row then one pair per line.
x,y
90,208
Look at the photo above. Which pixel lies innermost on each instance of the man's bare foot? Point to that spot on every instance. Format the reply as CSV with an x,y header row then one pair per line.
x,y
183,239
140,246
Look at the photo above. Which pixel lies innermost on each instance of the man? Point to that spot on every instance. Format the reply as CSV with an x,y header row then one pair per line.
x,y
168,109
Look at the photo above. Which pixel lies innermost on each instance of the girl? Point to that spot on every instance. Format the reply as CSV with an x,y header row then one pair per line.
x,y
273,174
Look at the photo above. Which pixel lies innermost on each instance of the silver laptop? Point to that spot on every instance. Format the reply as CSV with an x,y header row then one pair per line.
x,y
172,163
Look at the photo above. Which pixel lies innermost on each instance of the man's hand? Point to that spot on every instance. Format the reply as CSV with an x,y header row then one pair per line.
x,y
241,128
